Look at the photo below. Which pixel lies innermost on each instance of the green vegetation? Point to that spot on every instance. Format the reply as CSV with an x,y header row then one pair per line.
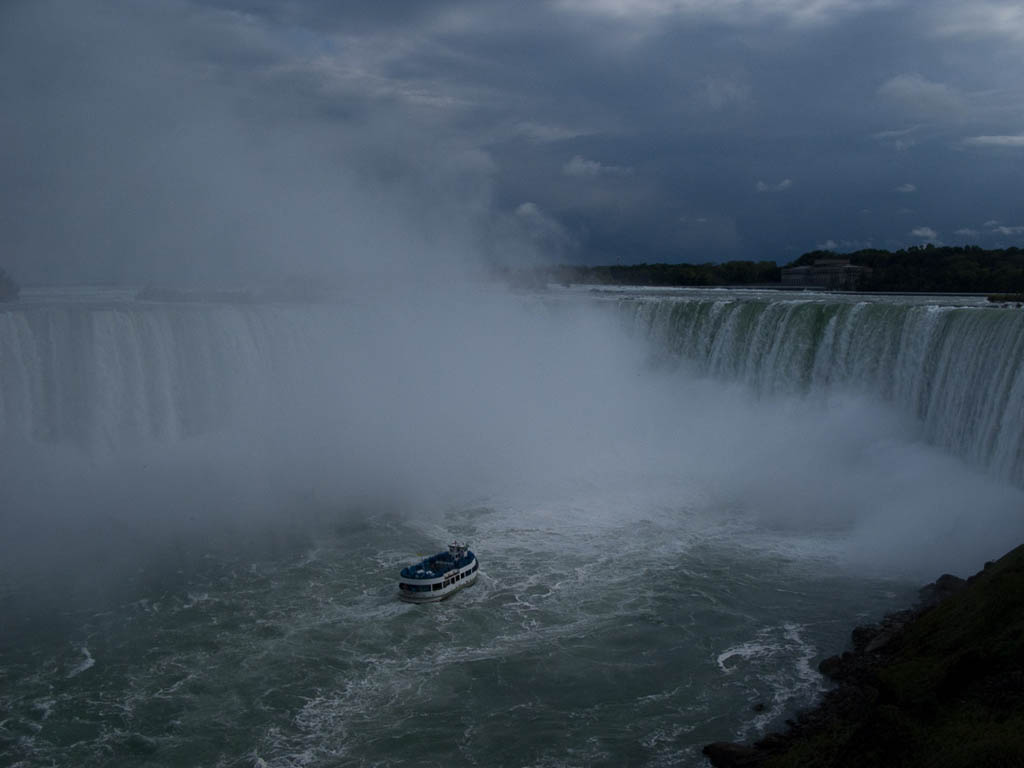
x,y
666,275
8,288
949,695
920,269
934,269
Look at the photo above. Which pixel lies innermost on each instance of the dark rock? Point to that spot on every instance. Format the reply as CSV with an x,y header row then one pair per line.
x,y
946,585
774,742
1004,690
848,666
863,635
950,583
883,732
831,667
759,707
880,641
969,668
725,754
852,701
911,670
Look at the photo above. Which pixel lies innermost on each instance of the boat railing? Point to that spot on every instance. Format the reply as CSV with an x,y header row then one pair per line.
x,y
436,566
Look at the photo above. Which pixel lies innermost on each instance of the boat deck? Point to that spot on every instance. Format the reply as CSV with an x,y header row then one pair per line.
x,y
435,566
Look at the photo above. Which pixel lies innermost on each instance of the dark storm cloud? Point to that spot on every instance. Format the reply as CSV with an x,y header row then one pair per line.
x,y
171,141
231,133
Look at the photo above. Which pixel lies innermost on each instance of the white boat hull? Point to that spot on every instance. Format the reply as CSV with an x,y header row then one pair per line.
x,y
435,590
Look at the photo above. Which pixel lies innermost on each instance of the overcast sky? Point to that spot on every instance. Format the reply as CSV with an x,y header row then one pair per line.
x,y
161,138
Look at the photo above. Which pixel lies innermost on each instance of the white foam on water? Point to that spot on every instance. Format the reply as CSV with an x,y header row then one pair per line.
x,y
539,570
806,653
578,536
196,599
746,651
88,662
779,658
549,586
44,707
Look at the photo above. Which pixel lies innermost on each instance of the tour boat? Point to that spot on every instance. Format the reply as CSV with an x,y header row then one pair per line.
x,y
436,577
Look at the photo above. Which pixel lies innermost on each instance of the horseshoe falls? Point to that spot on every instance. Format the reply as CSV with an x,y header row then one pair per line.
x,y
680,500
958,370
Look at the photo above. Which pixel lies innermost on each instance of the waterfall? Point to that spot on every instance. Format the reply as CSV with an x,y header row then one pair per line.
x,y
959,370
111,377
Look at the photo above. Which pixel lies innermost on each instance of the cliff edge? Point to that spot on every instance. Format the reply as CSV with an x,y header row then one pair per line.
x,y
940,685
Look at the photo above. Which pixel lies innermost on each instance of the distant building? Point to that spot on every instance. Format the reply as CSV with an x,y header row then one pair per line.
x,y
834,274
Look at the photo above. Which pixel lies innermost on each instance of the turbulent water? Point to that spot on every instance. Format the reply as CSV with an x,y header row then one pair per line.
x,y
958,369
205,508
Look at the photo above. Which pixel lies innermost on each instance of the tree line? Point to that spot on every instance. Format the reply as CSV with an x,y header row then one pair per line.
x,y
934,269
918,269
667,275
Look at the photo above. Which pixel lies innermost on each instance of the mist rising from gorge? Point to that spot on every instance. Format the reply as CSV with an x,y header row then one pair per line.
x,y
291,420
134,432
143,157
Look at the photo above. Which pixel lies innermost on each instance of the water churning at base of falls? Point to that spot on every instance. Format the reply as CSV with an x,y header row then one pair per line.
x,y
109,376
680,502
958,369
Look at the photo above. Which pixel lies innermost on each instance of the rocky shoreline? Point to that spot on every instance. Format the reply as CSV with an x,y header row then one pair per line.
x,y
940,684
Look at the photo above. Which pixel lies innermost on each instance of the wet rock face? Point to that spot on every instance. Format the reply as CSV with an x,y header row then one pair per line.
x,y
943,587
724,754
871,643
864,635
868,709
836,667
